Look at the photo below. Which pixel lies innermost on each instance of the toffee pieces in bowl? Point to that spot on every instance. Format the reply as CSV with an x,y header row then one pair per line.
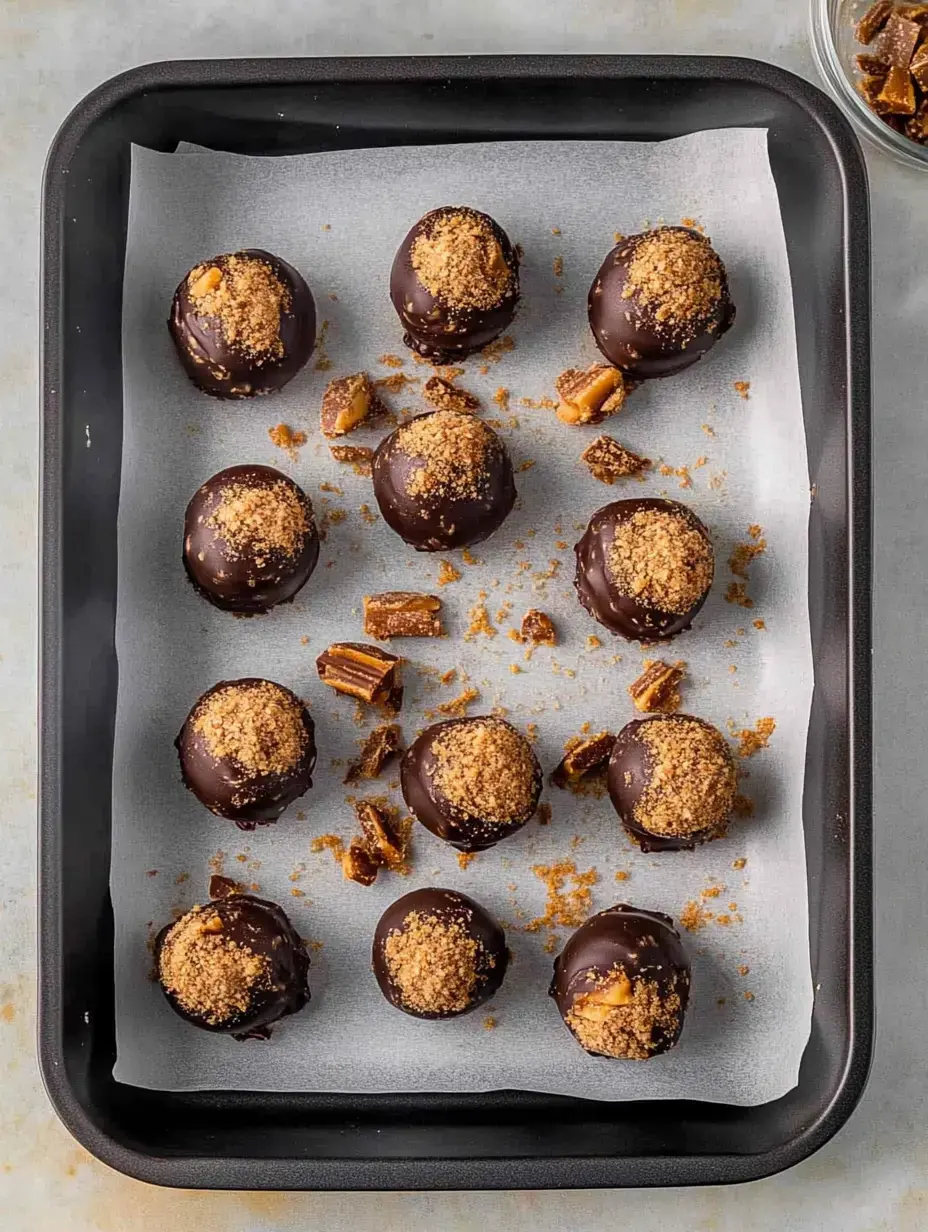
x,y
443,480
672,781
243,324
247,750
644,568
472,781
659,301
454,283
250,541
622,984
438,954
233,966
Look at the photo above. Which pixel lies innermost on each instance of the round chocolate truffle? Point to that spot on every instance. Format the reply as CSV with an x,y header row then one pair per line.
x,y
247,750
243,323
443,480
622,983
471,782
659,302
250,541
644,568
672,781
233,966
438,954
454,283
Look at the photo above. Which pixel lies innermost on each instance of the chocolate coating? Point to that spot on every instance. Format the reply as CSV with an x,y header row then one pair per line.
x,y
226,788
244,581
645,944
439,331
451,906
431,524
622,613
461,830
225,370
265,929
631,756
628,333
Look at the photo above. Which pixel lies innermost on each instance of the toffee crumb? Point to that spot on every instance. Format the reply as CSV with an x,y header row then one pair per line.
x,y
259,726
486,769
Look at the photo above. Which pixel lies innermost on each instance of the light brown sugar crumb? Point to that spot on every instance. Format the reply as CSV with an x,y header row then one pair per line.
x,y
453,451
744,553
259,518
458,706
246,297
662,559
751,742
258,726
743,389
564,908
447,573
486,769
501,398
489,1023
465,858
210,975
434,963
480,623
459,259
622,875
621,1018
494,351
692,778
285,438
694,916
677,276
759,624
737,593
469,558
390,361
328,842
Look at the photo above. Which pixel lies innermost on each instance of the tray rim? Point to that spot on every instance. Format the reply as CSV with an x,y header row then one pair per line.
x,y
514,1172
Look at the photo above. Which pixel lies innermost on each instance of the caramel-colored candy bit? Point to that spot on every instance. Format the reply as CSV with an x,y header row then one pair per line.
x,y
538,628
873,21
916,129
914,12
206,282
347,401
359,865
212,925
873,66
919,67
898,94
585,756
359,456
402,613
596,1006
383,843
655,690
869,88
365,672
381,744
589,396
609,461
897,42
446,396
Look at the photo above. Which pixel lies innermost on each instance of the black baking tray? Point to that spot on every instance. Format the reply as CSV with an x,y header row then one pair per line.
x,y
507,1139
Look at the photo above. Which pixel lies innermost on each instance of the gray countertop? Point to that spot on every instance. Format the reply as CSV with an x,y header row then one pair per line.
x,y
874,1175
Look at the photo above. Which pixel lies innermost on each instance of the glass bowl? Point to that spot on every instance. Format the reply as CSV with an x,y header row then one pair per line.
x,y
834,47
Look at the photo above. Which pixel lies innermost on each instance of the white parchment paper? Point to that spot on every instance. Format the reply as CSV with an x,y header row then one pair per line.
x,y
339,218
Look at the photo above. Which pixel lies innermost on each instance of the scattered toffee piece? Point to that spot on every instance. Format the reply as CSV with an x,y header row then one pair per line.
x,y
381,744
659,302
672,781
250,539
583,757
657,688
538,628
359,457
446,396
622,984
443,480
454,283
471,781
402,613
346,403
365,672
247,750
222,887
358,864
243,324
588,396
644,568
235,966
438,954
609,461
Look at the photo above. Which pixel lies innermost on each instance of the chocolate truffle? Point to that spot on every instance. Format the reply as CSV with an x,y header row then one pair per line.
x,y
250,541
443,480
243,323
672,781
233,966
622,983
659,302
454,283
438,954
247,750
644,568
471,782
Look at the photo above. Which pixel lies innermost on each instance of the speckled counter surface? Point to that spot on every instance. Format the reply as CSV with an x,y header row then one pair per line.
x,y
874,1176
